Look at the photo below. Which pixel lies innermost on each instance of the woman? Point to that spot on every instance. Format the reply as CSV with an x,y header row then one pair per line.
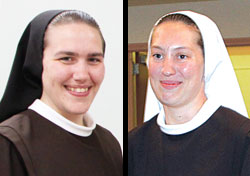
x,y
57,71
194,133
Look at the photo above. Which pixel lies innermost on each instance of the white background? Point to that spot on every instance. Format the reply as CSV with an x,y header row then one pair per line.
x,y
107,108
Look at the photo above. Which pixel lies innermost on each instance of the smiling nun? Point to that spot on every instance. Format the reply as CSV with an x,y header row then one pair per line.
x,y
57,71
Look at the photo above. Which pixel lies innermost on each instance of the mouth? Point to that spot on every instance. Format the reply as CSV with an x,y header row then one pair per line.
x,y
78,91
169,85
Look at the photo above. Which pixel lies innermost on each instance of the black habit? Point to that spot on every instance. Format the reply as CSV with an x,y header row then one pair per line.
x,y
220,147
32,145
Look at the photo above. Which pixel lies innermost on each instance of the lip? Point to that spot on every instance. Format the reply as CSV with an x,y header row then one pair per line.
x,y
78,91
169,84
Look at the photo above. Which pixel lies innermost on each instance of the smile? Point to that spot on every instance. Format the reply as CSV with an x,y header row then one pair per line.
x,y
170,84
78,90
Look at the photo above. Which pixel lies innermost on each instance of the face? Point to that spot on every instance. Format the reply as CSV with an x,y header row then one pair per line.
x,y
176,64
73,68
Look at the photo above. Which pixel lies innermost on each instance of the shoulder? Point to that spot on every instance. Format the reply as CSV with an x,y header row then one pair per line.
x,y
138,141
238,127
10,159
19,127
109,144
231,117
226,112
18,119
16,122
12,144
139,133
104,133
230,120
107,137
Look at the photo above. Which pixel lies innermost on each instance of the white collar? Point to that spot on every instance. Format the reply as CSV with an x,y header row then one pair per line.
x,y
209,107
50,114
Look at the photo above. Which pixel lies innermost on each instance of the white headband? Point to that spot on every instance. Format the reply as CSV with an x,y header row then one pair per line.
x,y
220,80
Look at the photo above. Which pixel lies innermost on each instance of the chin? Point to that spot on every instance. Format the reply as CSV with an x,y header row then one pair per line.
x,y
75,114
79,107
168,101
78,110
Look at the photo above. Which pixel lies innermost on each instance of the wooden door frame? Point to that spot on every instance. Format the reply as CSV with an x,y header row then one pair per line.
x,y
131,110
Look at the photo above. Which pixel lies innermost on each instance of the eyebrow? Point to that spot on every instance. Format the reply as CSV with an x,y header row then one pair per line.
x,y
175,48
95,54
157,47
70,53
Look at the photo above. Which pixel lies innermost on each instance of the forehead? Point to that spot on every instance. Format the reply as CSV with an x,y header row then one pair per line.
x,y
175,31
72,34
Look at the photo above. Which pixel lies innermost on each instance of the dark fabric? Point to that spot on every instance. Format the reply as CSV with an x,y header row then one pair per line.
x,y
220,147
24,84
30,142
10,159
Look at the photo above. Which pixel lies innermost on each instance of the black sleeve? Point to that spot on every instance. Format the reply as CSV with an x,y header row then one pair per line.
x,y
11,162
245,171
114,152
111,150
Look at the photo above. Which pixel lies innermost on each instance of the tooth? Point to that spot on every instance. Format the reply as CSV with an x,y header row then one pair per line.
x,y
78,89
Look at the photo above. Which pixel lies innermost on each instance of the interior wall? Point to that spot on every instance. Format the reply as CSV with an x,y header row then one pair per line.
x,y
232,17
107,108
240,57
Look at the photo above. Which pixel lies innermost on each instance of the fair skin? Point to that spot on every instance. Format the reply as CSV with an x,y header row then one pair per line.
x,y
73,69
176,68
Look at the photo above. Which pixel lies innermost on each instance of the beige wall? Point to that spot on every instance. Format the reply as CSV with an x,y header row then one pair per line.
x,y
231,16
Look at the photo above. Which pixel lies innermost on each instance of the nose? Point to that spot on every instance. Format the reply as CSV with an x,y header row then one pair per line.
x,y
81,71
168,67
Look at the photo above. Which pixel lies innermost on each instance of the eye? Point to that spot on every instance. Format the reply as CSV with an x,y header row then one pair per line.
x,y
182,56
94,60
158,56
66,59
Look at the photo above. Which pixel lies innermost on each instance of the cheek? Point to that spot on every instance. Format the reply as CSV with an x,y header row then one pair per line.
x,y
190,71
187,70
154,70
54,74
97,74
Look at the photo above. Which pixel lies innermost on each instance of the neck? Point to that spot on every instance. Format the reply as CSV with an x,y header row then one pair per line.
x,y
183,113
77,120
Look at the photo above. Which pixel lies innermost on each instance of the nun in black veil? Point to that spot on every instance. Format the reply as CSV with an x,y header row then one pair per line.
x,y
57,71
